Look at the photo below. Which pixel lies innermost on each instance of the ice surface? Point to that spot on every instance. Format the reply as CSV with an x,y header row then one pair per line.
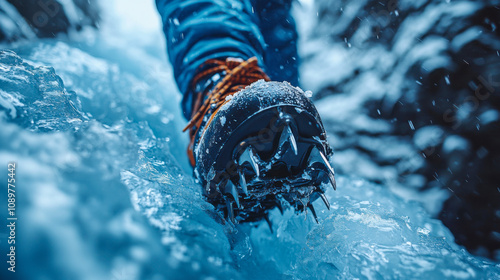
x,y
105,191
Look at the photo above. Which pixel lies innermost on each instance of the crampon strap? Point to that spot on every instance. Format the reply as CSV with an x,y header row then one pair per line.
x,y
237,75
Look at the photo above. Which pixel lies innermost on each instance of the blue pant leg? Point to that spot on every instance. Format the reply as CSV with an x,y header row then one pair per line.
x,y
198,30
280,35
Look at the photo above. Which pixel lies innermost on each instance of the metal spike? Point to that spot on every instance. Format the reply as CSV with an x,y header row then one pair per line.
x,y
311,207
325,200
221,186
269,223
317,157
332,181
231,190
287,136
249,156
279,205
230,212
243,183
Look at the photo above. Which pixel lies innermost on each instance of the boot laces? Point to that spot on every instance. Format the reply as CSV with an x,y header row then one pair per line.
x,y
238,75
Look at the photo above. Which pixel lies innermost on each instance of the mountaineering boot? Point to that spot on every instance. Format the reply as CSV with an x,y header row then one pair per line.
x,y
256,144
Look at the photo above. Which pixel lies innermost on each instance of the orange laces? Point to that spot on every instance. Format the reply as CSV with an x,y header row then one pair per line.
x,y
238,75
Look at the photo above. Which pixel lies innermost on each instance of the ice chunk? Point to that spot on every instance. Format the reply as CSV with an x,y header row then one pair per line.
x,y
368,232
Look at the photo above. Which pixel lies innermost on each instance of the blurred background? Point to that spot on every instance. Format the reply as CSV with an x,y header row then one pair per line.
x,y
414,89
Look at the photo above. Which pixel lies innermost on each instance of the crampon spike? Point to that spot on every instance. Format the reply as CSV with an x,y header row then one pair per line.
x,y
313,212
231,190
279,205
325,200
269,223
288,137
333,182
243,183
318,159
230,212
249,156
221,186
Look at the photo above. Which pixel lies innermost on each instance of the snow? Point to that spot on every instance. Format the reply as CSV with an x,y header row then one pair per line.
x,y
105,190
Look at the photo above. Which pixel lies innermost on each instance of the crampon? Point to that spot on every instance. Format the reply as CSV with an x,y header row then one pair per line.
x,y
256,144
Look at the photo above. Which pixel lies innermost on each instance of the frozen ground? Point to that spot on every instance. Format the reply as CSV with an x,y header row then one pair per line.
x,y
105,192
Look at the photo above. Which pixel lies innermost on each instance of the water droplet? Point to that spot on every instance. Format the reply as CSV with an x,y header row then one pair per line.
x,y
176,21
447,79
